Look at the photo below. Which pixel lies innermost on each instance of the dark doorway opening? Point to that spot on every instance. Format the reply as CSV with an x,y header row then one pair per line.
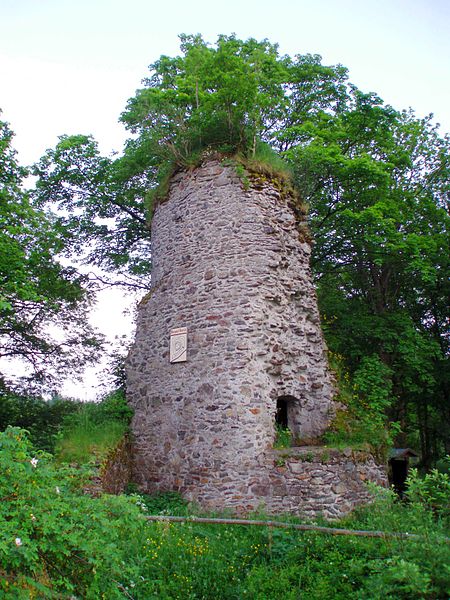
x,y
399,467
399,473
281,416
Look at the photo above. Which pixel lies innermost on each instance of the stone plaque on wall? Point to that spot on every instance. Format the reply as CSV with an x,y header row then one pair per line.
x,y
178,345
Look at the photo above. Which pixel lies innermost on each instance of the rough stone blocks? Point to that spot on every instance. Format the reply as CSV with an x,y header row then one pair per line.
x,y
231,268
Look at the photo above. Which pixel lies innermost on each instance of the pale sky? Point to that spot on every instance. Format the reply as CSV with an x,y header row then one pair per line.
x,y
69,66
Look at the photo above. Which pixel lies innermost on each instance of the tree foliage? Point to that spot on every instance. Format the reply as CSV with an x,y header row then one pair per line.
x,y
43,304
99,206
376,180
227,99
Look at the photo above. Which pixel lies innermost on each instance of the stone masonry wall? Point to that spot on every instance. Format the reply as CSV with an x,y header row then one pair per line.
x,y
230,266
319,480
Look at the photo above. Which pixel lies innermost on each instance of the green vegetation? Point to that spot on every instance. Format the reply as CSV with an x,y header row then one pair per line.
x,y
238,99
375,180
36,291
72,430
93,430
42,419
283,437
361,421
56,541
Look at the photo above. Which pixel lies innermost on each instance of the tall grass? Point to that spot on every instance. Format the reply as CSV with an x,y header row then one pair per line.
x,y
204,561
87,441
93,430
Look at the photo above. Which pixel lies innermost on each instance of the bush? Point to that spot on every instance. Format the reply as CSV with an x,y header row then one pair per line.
x,y
413,568
432,491
41,418
54,539
365,397
166,503
113,407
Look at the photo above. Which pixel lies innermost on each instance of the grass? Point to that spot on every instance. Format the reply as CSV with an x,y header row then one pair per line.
x,y
204,561
94,430
87,441
264,165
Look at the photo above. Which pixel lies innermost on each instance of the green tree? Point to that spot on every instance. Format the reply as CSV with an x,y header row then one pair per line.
x,y
223,98
377,182
226,99
99,204
43,304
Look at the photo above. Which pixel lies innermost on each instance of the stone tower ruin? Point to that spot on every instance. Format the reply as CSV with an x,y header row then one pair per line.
x,y
229,344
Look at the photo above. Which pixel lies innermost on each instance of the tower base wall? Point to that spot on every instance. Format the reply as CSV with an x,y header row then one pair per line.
x,y
307,482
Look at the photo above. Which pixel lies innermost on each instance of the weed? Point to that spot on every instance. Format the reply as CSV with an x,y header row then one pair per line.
x,y
325,456
169,503
308,457
283,437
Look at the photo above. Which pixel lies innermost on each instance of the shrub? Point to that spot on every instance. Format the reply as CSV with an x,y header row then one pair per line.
x,y
365,397
165,503
54,539
43,419
432,490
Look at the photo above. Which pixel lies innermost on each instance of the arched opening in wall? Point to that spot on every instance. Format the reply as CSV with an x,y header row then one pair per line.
x,y
283,415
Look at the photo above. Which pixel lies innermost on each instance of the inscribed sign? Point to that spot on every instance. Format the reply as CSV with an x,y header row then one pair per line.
x,y
178,345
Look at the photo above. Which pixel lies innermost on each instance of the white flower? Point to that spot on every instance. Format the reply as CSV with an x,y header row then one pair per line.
x,y
34,462
33,518
58,491
18,542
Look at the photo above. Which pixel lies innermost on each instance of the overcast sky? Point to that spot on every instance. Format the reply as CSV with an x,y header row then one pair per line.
x,y
69,66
